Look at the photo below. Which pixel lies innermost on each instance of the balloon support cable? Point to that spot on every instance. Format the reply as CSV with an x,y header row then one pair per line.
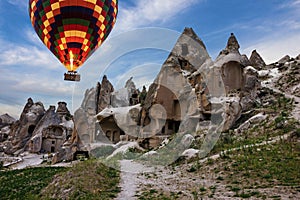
x,y
72,76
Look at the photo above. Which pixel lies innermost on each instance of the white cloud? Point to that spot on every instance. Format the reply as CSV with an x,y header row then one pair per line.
x,y
272,49
294,4
30,55
34,83
150,12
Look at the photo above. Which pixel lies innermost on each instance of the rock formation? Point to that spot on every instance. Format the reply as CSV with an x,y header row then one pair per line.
x,y
84,116
232,45
51,118
6,122
289,81
256,61
284,60
103,94
22,130
113,108
177,86
95,100
195,91
37,130
62,110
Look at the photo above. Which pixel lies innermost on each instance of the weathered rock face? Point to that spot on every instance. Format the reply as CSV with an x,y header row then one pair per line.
x,y
190,51
232,45
117,122
256,60
240,80
187,82
50,118
174,86
104,94
289,81
230,63
233,111
284,60
22,130
84,116
62,110
100,99
130,86
245,61
37,130
95,100
6,120
251,87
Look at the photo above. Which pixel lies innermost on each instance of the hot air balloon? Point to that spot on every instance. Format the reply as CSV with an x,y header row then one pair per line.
x,y
73,29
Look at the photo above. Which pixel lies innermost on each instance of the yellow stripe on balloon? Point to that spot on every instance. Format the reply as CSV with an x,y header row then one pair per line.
x,y
98,9
80,34
102,27
63,40
45,31
32,16
46,23
49,15
61,46
102,35
46,41
101,18
55,6
33,5
85,41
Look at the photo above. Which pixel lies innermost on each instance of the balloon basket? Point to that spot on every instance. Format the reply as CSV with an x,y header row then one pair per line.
x,y
72,76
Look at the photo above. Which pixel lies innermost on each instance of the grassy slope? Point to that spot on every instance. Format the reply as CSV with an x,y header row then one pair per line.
x,y
86,180
25,183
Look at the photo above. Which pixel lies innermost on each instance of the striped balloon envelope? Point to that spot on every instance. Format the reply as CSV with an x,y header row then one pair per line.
x,y
73,29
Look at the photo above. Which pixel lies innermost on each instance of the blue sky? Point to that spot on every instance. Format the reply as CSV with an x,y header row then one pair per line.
x,y
145,32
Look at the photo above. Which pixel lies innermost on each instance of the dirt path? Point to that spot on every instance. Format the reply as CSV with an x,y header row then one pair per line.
x,y
129,178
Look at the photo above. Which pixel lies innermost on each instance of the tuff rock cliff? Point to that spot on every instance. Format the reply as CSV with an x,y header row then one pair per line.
x,y
196,91
100,99
37,130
